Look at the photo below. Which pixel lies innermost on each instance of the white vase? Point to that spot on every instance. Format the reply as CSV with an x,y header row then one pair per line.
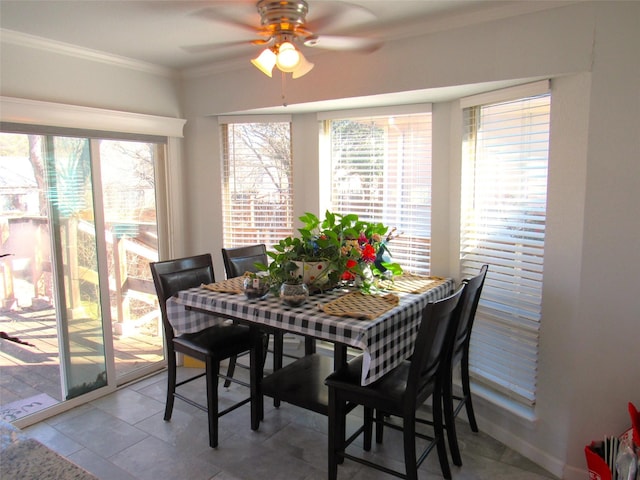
x,y
312,273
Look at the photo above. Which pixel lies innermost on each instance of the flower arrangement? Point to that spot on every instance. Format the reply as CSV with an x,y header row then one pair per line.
x,y
352,249
366,256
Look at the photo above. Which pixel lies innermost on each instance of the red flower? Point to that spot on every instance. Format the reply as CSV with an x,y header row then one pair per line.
x,y
368,253
351,263
347,275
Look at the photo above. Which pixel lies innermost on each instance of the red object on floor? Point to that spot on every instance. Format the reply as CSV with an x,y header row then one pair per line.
x,y
598,469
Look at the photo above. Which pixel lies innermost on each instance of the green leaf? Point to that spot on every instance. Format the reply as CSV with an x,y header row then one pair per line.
x,y
393,268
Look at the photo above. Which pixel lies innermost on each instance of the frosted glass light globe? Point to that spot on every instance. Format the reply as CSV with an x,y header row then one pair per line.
x,y
288,57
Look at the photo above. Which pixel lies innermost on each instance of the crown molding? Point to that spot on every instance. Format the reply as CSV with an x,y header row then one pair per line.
x,y
215,67
61,48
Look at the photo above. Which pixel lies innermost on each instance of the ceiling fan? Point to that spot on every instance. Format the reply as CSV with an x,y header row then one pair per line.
x,y
284,29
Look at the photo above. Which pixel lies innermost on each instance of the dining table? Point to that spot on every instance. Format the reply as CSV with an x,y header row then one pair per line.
x,y
381,326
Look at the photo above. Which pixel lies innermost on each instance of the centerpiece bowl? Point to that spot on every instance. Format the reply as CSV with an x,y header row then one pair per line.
x,y
294,294
256,286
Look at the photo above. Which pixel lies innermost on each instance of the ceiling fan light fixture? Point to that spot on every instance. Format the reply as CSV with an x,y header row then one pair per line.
x,y
288,57
303,68
284,28
265,61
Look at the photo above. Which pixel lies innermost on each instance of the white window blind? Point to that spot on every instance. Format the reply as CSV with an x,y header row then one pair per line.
x,y
257,190
504,193
381,170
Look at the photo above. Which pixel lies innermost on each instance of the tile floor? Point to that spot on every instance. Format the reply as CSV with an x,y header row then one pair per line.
x,y
123,437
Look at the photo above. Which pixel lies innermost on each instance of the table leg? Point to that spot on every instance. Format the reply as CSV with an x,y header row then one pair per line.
x,y
339,355
309,345
256,363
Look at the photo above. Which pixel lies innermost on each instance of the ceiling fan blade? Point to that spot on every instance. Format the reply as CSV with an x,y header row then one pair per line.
x,y
333,42
219,15
337,15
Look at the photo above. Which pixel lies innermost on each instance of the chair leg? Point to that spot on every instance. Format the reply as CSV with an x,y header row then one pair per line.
x,y
450,421
341,415
171,384
368,428
439,433
409,440
466,392
230,371
232,368
379,426
337,418
212,369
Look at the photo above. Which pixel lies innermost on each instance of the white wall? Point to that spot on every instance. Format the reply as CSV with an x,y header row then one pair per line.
x,y
29,72
589,354
608,322
590,50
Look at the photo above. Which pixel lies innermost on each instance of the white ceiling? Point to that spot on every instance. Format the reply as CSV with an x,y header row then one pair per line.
x,y
183,34
192,35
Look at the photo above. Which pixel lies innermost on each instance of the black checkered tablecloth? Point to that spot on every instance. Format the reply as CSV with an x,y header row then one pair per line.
x,y
386,340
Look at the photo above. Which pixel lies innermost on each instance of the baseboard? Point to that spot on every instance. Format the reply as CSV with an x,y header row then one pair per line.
x,y
553,465
574,473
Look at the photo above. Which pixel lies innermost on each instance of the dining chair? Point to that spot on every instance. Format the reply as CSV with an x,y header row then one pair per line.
x,y
238,261
398,393
210,345
459,356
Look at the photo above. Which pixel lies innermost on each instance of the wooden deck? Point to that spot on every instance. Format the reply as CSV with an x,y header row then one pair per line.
x,y
32,369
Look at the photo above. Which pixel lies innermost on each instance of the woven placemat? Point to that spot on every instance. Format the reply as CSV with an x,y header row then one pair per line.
x,y
410,283
359,305
231,285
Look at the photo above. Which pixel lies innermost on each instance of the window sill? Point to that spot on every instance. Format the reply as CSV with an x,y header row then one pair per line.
x,y
506,404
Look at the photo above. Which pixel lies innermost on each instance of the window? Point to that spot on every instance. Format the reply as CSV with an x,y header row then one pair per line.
x,y
257,183
380,169
504,193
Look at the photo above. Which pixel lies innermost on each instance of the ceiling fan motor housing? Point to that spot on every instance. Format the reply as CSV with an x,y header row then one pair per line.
x,y
283,25
282,15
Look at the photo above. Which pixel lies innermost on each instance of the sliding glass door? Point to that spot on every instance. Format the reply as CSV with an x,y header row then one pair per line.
x,y
78,230
69,194
130,233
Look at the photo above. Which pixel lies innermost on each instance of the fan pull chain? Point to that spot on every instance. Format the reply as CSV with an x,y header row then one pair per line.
x,y
282,88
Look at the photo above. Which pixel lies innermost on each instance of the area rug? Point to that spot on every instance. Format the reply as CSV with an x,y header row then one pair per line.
x,y
20,408
25,458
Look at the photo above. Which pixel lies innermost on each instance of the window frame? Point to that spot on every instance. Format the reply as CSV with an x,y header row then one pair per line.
x,y
520,388
419,263
229,238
